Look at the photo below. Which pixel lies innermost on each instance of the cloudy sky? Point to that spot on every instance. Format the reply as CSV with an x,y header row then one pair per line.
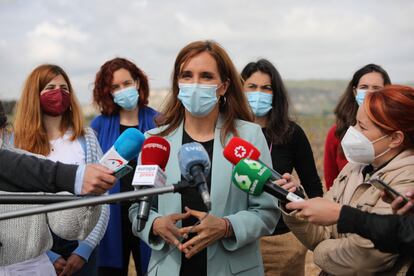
x,y
304,39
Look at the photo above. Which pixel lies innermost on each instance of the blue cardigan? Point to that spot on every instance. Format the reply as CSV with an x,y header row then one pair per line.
x,y
107,131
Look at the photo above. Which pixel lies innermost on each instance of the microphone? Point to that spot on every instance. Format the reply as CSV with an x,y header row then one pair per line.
x,y
154,157
238,149
253,177
125,148
195,166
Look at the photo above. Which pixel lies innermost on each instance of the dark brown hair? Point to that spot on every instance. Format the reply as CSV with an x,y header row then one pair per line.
x,y
279,125
347,107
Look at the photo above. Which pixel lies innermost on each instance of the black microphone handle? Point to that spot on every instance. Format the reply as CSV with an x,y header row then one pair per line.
x,y
276,176
199,180
276,191
280,193
144,209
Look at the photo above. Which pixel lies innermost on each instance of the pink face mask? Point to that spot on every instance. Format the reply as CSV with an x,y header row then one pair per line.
x,y
55,102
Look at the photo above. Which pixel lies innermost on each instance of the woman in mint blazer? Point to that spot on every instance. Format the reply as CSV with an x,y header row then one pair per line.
x,y
207,106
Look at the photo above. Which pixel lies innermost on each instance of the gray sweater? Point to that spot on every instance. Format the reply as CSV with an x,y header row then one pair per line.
x,y
28,237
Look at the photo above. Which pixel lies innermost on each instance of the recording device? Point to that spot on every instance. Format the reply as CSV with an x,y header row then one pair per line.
x,y
154,157
391,192
253,178
125,148
121,172
195,166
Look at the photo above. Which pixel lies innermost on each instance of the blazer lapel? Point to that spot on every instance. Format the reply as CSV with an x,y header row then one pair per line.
x,y
221,175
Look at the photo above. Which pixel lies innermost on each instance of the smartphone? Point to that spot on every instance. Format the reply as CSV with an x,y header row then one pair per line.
x,y
123,171
381,185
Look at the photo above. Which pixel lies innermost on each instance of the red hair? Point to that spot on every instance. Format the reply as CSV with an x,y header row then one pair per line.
x,y
29,132
102,95
392,109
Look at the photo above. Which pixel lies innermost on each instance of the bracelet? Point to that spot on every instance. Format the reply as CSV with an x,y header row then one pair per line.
x,y
230,230
227,227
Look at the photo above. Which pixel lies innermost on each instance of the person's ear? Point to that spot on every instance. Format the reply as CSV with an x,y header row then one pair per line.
x,y
397,139
223,88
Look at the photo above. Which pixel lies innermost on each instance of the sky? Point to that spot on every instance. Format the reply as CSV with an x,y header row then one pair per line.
x,y
315,39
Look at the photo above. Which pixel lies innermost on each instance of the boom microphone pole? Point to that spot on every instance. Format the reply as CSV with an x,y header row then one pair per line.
x,y
95,200
16,198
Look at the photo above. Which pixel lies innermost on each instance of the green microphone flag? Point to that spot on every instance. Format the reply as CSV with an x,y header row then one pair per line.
x,y
250,176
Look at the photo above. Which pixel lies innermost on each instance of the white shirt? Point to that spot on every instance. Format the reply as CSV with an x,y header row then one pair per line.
x,y
66,151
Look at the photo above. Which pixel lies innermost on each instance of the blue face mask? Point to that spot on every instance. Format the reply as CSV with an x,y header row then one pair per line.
x,y
198,99
260,103
360,95
127,98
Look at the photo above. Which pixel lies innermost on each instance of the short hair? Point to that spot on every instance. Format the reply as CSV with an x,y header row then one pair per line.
x,y
392,109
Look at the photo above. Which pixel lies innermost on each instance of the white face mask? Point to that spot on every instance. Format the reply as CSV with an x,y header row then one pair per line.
x,y
359,149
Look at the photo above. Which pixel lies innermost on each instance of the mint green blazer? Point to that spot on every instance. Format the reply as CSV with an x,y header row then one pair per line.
x,y
251,217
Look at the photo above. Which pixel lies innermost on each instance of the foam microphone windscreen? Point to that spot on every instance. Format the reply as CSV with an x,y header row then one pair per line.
x,y
129,143
155,151
191,154
238,149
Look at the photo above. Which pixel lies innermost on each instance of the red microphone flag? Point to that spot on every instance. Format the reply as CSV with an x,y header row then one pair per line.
x,y
155,151
238,149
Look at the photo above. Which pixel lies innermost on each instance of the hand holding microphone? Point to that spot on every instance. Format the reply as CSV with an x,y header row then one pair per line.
x,y
238,149
317,210
253,178
97,179
288,182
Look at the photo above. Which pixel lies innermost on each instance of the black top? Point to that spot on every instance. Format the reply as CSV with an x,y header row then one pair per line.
x,y
296,154
196,265
389,233
24,173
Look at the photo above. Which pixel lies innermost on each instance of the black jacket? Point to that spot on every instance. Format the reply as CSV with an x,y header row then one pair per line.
x,y
24,173
389,233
